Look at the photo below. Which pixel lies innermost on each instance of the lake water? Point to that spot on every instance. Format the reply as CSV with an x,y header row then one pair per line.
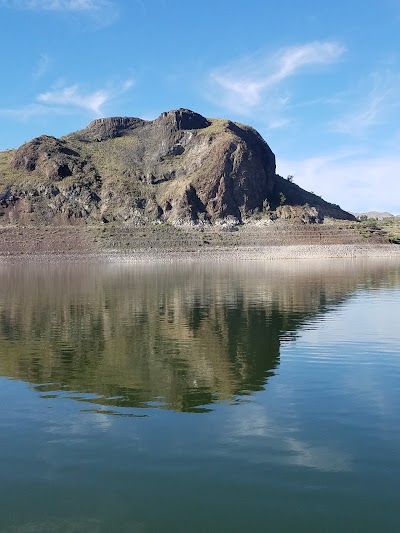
x,y
255,397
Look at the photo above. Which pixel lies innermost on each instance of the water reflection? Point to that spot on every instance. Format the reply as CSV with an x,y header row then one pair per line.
x,y
177,337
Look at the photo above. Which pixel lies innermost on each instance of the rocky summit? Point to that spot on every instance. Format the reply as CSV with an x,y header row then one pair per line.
x,y
178,168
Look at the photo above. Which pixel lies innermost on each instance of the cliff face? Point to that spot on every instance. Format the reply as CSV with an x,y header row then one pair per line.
x,y
180,167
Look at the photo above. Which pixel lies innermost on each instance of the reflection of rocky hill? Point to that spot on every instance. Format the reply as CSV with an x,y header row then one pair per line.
x,y
132,335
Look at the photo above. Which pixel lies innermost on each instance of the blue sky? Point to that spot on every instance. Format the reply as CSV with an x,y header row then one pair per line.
x,y
319,80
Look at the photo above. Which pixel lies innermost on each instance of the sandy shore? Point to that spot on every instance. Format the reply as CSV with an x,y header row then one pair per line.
x,y
242,253
126,244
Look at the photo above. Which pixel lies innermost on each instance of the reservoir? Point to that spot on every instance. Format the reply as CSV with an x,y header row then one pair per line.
x,y
200,397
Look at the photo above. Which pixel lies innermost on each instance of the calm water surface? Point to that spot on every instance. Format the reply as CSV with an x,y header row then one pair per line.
x,y
256,397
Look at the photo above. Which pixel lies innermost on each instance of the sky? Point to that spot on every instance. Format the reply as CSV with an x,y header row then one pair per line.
x,y
319,80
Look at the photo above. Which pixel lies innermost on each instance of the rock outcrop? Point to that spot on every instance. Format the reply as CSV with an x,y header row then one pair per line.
x,y
180,168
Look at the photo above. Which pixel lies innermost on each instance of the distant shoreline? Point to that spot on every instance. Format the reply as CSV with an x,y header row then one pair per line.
x,y
113,243
241,253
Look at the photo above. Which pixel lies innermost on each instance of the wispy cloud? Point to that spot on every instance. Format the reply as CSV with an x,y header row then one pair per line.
x,y
27,112
103,12
277,123
374,105
68,100
42,67
56,5
73,96
251,83
356,180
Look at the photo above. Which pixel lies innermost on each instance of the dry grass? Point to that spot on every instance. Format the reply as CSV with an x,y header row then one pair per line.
x,y
10,176
389,228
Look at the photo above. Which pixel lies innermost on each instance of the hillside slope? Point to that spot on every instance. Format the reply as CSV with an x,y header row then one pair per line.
x,y
178,168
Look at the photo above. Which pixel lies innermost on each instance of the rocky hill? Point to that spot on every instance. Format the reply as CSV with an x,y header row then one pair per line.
x,y
178,168
369,215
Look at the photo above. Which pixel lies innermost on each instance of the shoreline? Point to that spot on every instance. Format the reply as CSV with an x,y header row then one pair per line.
x,y
218,254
